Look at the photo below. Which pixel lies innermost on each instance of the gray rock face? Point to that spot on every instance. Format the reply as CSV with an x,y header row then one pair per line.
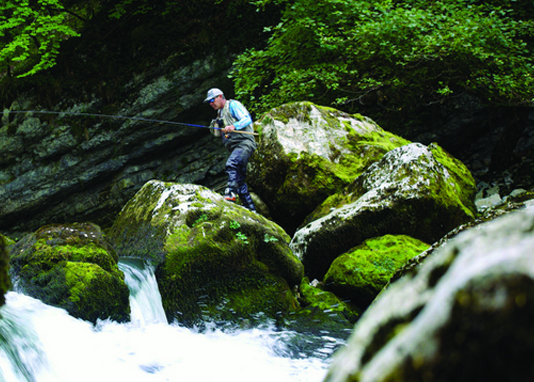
x,y
464,315
413,190
66,168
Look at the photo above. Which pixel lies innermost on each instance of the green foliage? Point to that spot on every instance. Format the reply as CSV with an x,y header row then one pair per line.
x,y
118,38
31,33
392,54
239,235
242,237
268,238
202,218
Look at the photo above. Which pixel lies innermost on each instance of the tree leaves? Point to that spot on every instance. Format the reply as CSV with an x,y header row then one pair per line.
x,y
30,35
393,54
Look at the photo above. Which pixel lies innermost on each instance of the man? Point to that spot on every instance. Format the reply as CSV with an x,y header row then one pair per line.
x,y
235,126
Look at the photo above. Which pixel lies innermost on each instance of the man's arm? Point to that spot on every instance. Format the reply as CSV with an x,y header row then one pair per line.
x,y
240,113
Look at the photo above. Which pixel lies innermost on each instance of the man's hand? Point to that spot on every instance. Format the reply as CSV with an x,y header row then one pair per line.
x,y
229,128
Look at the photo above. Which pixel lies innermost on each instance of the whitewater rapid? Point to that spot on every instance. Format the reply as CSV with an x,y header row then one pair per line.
x,y
42,343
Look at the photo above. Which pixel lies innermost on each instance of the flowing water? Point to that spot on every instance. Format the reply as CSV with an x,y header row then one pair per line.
x,y
40,343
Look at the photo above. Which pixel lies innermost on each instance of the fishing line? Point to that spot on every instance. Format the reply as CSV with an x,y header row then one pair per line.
x,y
120,117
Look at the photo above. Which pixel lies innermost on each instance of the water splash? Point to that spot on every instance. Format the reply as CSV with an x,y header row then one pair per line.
x,y
145,300
43,343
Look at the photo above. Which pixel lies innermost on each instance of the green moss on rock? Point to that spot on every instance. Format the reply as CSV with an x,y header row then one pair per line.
x,y
461,178
72,267
95,293
221,269
298,111
408,192
361,273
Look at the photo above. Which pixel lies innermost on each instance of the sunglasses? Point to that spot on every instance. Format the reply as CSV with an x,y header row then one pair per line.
x,y
213,99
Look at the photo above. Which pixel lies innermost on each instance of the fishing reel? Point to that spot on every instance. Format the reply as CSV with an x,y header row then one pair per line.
x,y
218,124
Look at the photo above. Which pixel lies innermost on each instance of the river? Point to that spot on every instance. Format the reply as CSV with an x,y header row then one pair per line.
x,y
41,343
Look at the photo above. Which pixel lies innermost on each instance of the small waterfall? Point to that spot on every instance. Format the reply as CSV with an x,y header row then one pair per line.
x,y
40,343
145,300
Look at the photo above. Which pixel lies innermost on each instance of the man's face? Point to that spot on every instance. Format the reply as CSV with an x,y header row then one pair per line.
x,y
217,102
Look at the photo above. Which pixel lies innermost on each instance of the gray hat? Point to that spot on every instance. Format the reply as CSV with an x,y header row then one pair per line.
x,y
212,93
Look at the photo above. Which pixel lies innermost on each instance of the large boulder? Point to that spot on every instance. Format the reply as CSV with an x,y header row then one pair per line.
x,y
308,152
215,260
72,267
5,282
413,190
464,314
360,274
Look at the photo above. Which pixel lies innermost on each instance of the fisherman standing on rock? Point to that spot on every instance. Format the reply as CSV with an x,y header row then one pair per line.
x,y
234,124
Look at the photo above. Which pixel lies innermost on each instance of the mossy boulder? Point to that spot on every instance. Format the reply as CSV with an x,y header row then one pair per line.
x,y
307,152
411,191
5,282
72,267
215,260
360,274
464,314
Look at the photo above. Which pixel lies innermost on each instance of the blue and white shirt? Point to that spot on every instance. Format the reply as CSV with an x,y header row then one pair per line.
x,y
234,113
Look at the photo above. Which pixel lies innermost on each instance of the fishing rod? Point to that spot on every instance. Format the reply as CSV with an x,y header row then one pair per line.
x,y
122,117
